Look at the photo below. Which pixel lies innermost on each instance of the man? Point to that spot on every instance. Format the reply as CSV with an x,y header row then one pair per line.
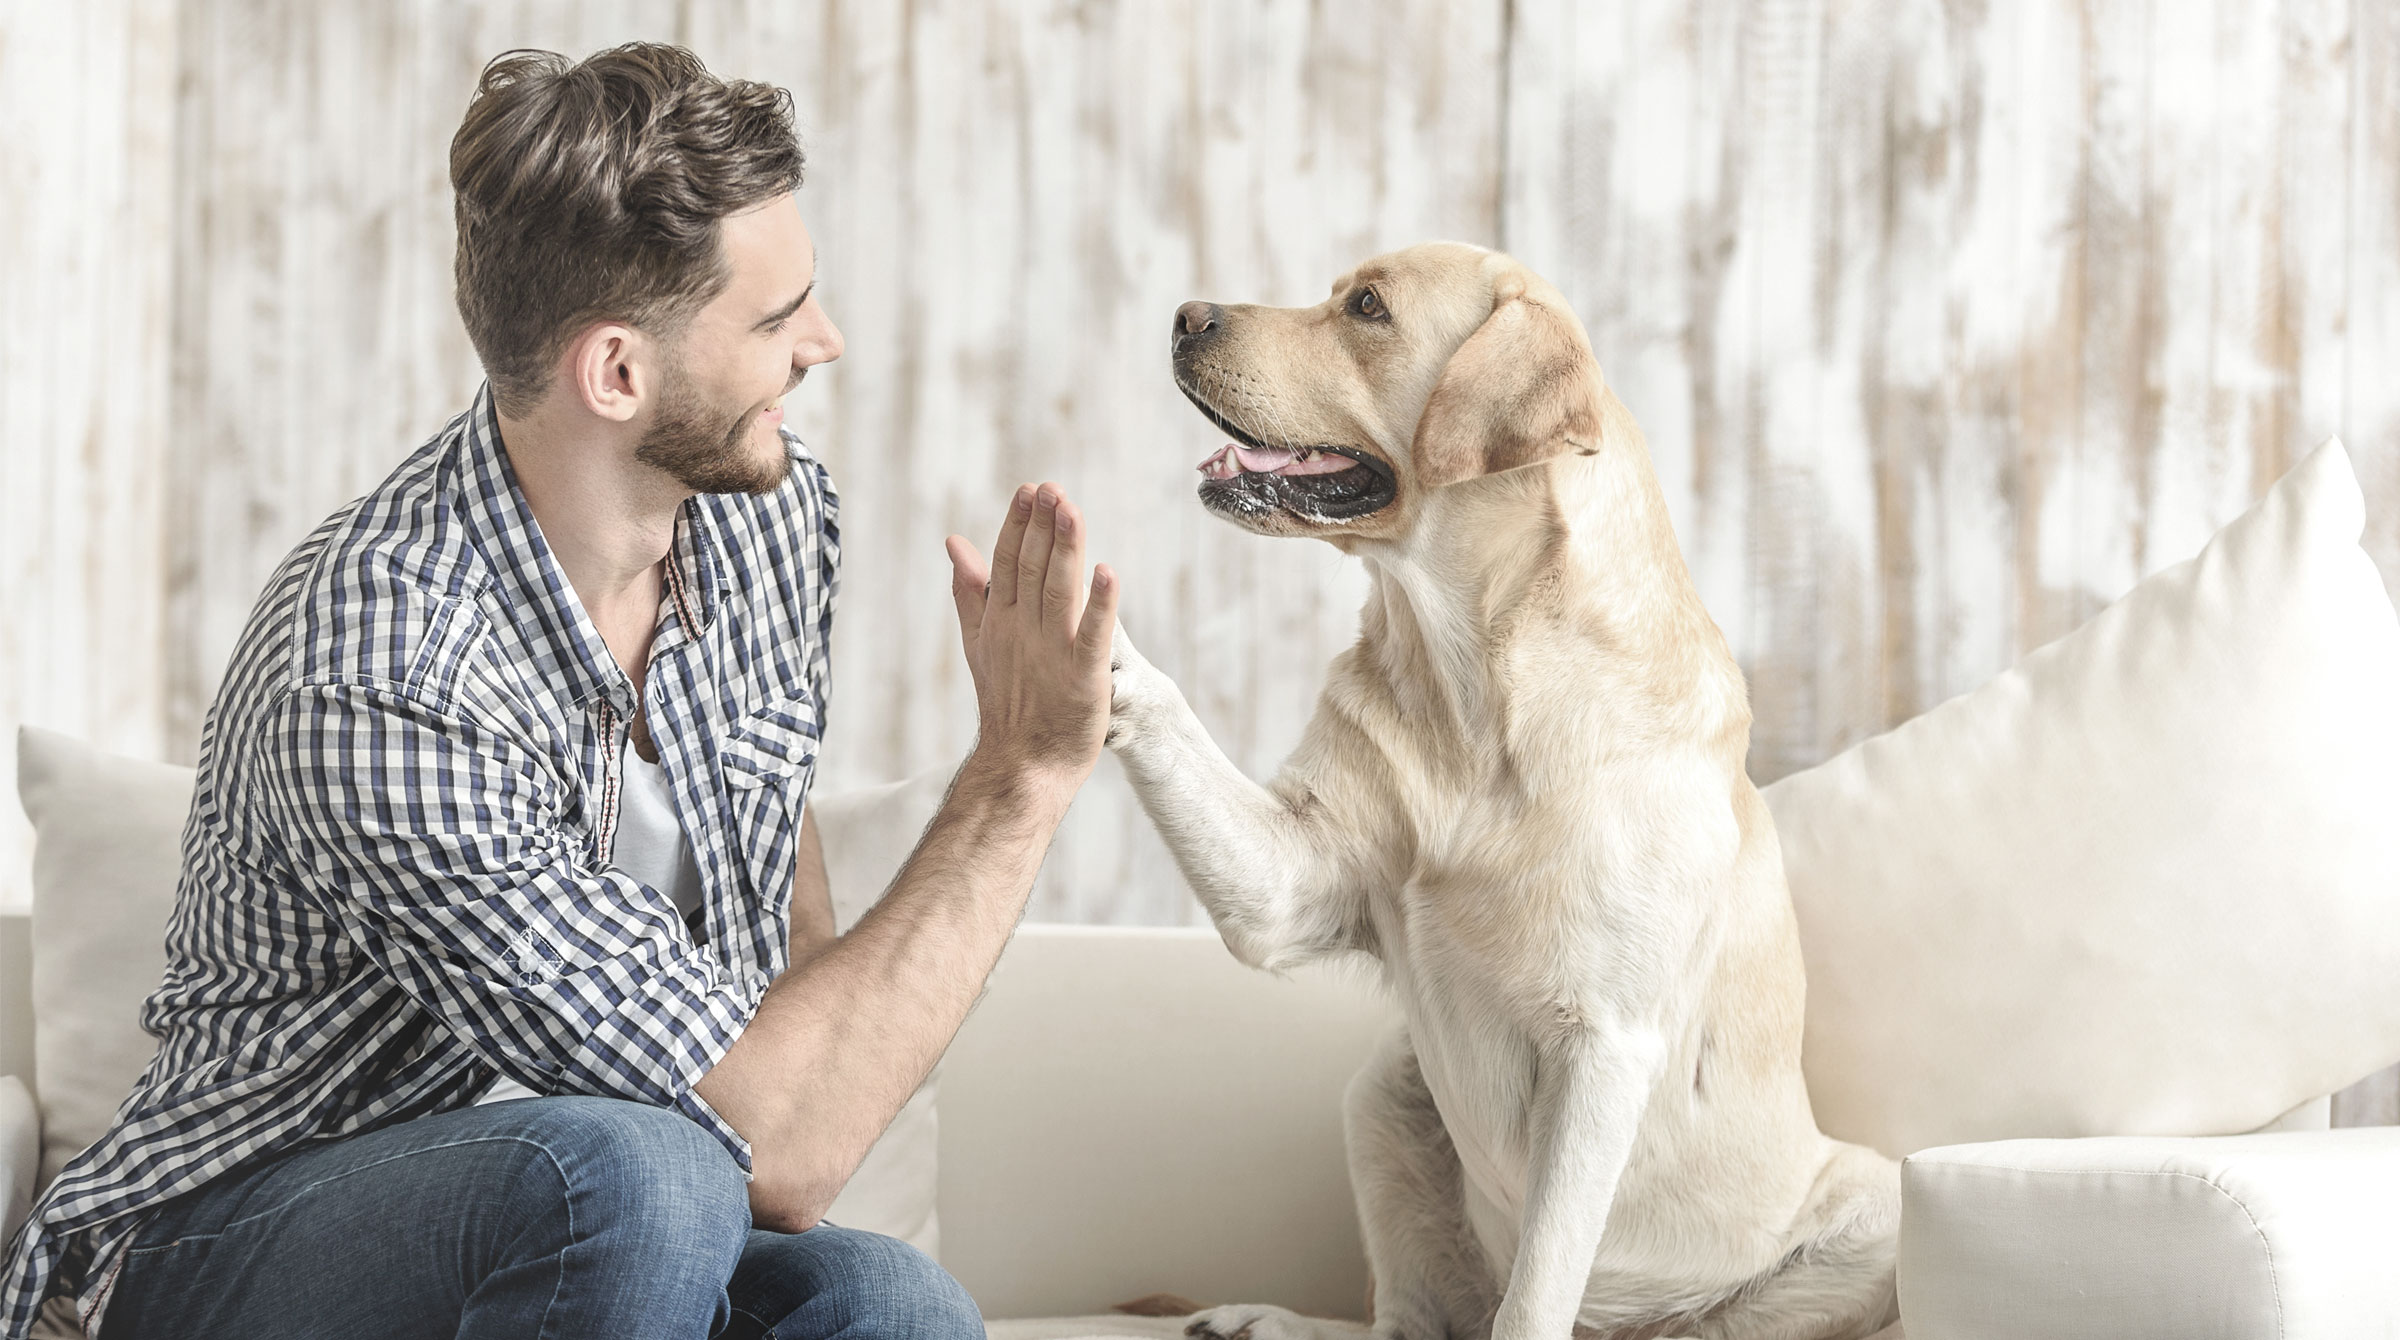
x,y
504,795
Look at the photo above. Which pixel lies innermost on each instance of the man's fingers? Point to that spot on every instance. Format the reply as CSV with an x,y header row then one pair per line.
x,y
1062,581
1011,541
1093,639
1033,556
968,579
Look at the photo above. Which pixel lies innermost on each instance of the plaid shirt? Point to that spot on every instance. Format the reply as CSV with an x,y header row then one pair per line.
x,y
396,883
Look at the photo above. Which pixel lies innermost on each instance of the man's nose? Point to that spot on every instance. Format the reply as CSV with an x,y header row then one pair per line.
x,y
1196,321
822,345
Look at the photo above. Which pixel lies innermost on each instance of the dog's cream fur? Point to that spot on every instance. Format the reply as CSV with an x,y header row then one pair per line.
x,y
1523,795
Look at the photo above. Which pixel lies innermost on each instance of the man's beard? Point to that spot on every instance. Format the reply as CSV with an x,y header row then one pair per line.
x,y
703,451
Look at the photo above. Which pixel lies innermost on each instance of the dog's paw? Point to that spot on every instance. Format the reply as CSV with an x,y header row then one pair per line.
x,y
1136,690
1263,1321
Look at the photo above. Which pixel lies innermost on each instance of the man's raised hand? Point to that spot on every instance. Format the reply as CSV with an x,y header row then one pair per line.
x,y
1036,643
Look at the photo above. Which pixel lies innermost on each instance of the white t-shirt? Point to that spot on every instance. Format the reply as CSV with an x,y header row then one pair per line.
x,y
650,846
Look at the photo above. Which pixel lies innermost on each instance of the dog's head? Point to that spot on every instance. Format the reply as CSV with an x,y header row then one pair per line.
x,y
1422,368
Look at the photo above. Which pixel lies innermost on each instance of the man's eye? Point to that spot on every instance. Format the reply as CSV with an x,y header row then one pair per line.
x,y
1368,305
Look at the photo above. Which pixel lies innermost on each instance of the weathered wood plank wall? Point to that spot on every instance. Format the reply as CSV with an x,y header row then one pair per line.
x,y
1946,322
86,141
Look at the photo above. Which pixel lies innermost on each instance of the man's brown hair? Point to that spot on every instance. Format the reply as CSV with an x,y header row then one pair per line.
x,y
593,191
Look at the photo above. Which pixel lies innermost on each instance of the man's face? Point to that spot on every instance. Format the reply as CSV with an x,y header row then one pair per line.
x,y
721,389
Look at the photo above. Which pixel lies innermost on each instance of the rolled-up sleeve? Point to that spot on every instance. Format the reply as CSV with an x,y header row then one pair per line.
x,y
447,850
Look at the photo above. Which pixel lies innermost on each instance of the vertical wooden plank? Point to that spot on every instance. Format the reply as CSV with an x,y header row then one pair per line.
x,y
2371,393
87,92
1873,414
2048,190
2307,312
2210,204
2092,527
1769,372
1943,317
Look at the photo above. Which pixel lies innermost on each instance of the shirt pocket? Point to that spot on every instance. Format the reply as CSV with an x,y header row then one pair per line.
x,y
768,756
771,746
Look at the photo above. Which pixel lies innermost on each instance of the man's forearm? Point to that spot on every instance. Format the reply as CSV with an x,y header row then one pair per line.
x,y
843,1038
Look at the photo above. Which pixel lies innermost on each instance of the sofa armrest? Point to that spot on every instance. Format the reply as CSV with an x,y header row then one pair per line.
x,y
2288,1235
20,1153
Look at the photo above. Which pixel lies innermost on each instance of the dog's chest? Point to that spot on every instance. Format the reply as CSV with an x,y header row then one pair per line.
x,y
1519,913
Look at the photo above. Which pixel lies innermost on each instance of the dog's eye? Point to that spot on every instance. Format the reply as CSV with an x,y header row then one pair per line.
x,y
1366,304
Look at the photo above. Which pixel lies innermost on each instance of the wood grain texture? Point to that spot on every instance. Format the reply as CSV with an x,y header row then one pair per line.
x,y
1947,321
86,103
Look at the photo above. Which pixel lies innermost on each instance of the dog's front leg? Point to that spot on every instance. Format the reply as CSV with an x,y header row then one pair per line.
x,y
1271,872
1590,1087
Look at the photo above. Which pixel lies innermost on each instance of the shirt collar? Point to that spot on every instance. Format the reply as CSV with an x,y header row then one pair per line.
x,y
536,595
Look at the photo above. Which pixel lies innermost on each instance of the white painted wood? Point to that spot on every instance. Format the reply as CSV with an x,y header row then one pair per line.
x,y
86,140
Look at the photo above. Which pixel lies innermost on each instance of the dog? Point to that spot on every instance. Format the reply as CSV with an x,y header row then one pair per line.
x,y
1522,795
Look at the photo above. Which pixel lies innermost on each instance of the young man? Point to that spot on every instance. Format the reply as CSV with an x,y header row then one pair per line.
x,y
503,798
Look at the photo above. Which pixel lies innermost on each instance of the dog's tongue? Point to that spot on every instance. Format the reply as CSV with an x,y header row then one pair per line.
x,y
1236,459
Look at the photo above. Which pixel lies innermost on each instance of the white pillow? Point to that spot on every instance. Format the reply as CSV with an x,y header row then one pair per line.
x,y
108,840
108,845
2147,882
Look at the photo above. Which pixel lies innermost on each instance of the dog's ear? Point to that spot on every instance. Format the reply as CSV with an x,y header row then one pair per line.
x,y
1522,389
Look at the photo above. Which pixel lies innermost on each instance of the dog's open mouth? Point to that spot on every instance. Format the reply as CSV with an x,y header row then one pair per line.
x,y
1316,483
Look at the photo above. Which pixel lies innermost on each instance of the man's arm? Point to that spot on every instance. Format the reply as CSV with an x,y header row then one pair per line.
x,y
842,1038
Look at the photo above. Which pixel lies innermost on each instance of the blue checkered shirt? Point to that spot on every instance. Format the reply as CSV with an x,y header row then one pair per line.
x,y
396,883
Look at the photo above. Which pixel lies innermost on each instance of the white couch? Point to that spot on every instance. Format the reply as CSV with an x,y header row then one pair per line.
x,y
1129,1111
2062,934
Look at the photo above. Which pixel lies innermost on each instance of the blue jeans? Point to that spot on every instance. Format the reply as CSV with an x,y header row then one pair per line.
x,y
550,1217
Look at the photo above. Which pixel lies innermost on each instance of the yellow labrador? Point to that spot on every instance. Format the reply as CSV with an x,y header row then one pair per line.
x,y
1522,794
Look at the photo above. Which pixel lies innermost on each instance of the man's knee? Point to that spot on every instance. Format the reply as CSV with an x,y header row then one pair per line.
x,y
855,1283
645,1181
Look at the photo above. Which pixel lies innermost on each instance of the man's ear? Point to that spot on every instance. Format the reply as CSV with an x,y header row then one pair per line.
x,y
1522,389
603,368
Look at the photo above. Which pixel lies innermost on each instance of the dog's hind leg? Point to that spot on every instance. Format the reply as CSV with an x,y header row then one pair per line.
x,y
1836,1283
1430,1279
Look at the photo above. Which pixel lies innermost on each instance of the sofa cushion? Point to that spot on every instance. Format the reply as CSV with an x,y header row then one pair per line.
x,y
2251,1237
1131,1111
107,843
107,846
2145,882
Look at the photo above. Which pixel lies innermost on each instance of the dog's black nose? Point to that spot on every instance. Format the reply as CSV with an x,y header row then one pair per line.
x,y
1195,321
